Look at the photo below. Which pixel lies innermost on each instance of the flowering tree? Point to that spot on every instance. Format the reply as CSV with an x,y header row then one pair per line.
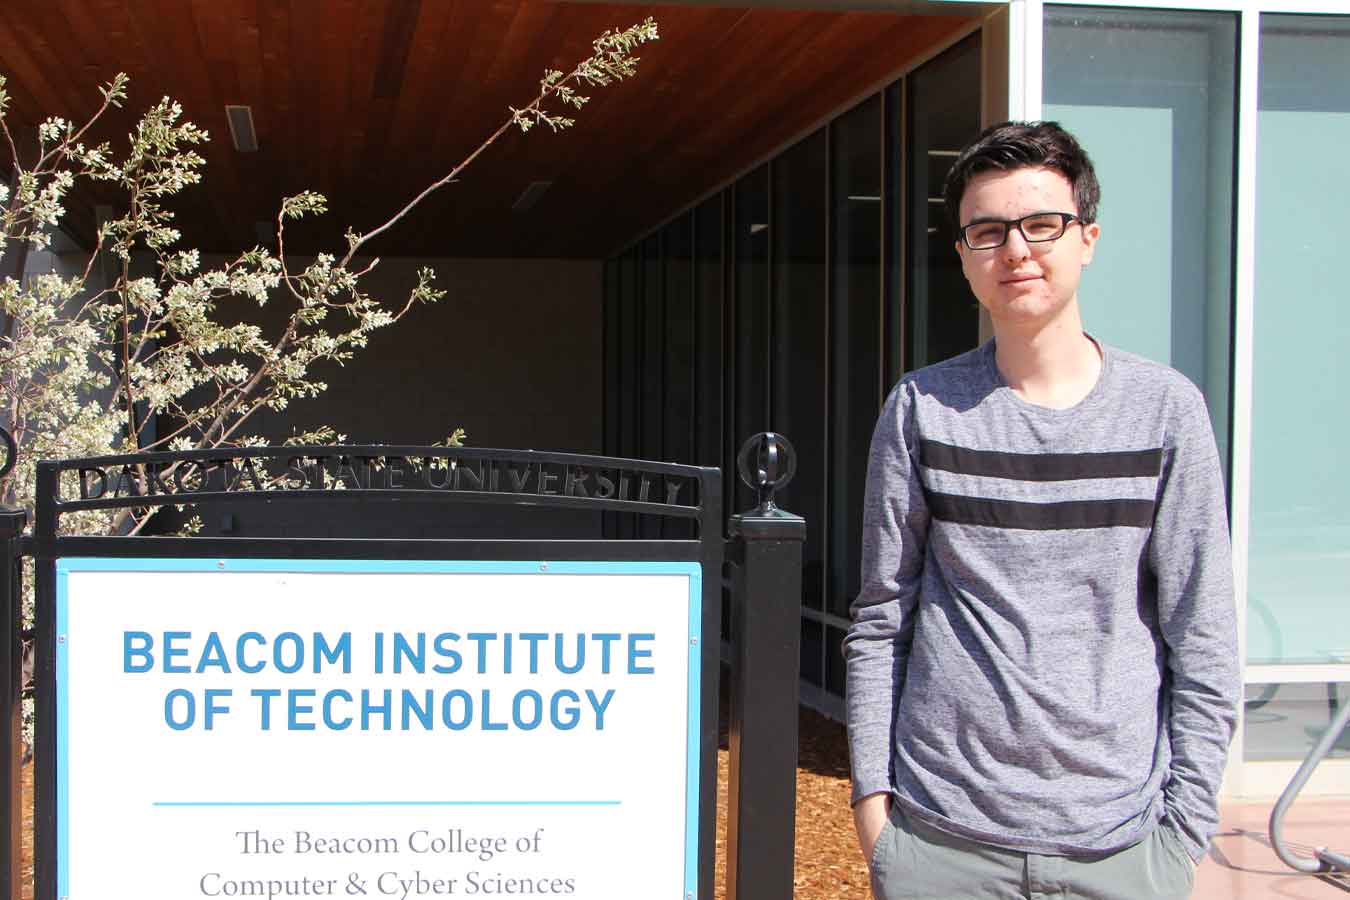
x,y
81,370
83,367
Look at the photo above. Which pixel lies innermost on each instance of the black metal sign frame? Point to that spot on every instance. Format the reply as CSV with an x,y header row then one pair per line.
x,y
363,474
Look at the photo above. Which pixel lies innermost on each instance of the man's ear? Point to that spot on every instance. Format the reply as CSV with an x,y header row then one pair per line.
x,y
1090,235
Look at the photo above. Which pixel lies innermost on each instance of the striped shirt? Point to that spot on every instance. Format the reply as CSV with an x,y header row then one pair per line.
x,y
1044,649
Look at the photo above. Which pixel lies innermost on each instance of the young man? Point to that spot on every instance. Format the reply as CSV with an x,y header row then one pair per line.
x,y
1042,667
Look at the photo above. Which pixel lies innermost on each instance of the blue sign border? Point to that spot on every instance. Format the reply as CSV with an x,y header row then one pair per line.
x,y
694,571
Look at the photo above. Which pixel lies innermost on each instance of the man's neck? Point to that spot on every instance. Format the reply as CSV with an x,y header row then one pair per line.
x,y
1055,366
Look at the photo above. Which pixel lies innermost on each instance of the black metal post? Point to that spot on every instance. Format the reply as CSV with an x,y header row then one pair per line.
x,y
44,690
766,544
12,523
711,548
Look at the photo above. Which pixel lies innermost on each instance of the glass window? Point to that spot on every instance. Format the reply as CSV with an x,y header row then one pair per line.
x,y
855,334
813,651
651,387
1150,94
708,326
943,114
650,369
800,330
625,322
836,671
750,382
613,301
630,300
677,242
1299,572
1284,721
677,432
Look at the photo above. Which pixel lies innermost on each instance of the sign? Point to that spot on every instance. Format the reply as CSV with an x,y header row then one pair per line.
x,y
284,471
304,728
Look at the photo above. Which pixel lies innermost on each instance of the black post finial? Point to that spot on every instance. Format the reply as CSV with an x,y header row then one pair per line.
x,y
767,463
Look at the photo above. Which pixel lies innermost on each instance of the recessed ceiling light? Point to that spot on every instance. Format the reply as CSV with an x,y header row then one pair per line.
x,y
241,128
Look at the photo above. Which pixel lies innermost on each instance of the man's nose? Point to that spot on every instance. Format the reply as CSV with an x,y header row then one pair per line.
x,y
1016,246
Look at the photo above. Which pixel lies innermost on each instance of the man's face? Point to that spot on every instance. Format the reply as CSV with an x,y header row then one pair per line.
x,y
1025,284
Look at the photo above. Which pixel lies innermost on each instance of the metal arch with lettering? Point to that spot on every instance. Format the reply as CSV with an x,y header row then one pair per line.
x,y
382,472
767,463
11,452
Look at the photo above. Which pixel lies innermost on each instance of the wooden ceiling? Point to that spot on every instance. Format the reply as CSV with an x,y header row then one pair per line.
x,y
369,101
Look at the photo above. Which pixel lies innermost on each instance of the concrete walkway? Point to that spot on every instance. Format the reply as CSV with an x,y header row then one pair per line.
x,y
1242,866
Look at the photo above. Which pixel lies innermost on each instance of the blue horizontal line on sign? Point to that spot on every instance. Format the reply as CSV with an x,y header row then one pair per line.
x,y
184,803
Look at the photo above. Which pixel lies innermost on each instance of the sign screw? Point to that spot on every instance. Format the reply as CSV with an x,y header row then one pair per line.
x,y
220,564
60,638
693,642
543,567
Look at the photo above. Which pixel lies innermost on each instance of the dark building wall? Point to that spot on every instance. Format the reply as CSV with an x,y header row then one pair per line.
x,y
512,355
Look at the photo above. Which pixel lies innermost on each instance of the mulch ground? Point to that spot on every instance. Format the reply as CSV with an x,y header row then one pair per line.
x,y
27,836
828,865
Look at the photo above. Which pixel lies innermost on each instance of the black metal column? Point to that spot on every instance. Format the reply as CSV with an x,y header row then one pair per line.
x,y
766,544
711,548
12,523
44,690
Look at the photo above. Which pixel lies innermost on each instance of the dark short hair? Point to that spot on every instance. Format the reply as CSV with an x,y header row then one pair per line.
x,y
1009,146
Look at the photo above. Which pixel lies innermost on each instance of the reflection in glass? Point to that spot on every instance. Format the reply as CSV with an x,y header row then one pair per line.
x,y
855,333
1162,143
1299,574
1284,721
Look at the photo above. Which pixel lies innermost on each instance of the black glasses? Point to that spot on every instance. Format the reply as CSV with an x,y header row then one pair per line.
x,y
1036,228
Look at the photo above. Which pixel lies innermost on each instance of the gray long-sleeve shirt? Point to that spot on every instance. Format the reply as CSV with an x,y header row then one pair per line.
x,y
1044,649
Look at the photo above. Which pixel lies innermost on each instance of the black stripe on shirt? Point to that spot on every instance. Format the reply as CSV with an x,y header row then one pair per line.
x,y
1041,466
1040,516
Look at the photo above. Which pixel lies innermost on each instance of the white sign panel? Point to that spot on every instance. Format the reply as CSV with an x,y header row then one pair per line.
x,y
407,730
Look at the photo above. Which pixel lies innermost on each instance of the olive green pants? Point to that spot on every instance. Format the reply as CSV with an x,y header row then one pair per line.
x,y
913,861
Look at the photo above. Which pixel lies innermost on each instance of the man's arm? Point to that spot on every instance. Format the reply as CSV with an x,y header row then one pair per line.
x,y
895,531
1191,558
